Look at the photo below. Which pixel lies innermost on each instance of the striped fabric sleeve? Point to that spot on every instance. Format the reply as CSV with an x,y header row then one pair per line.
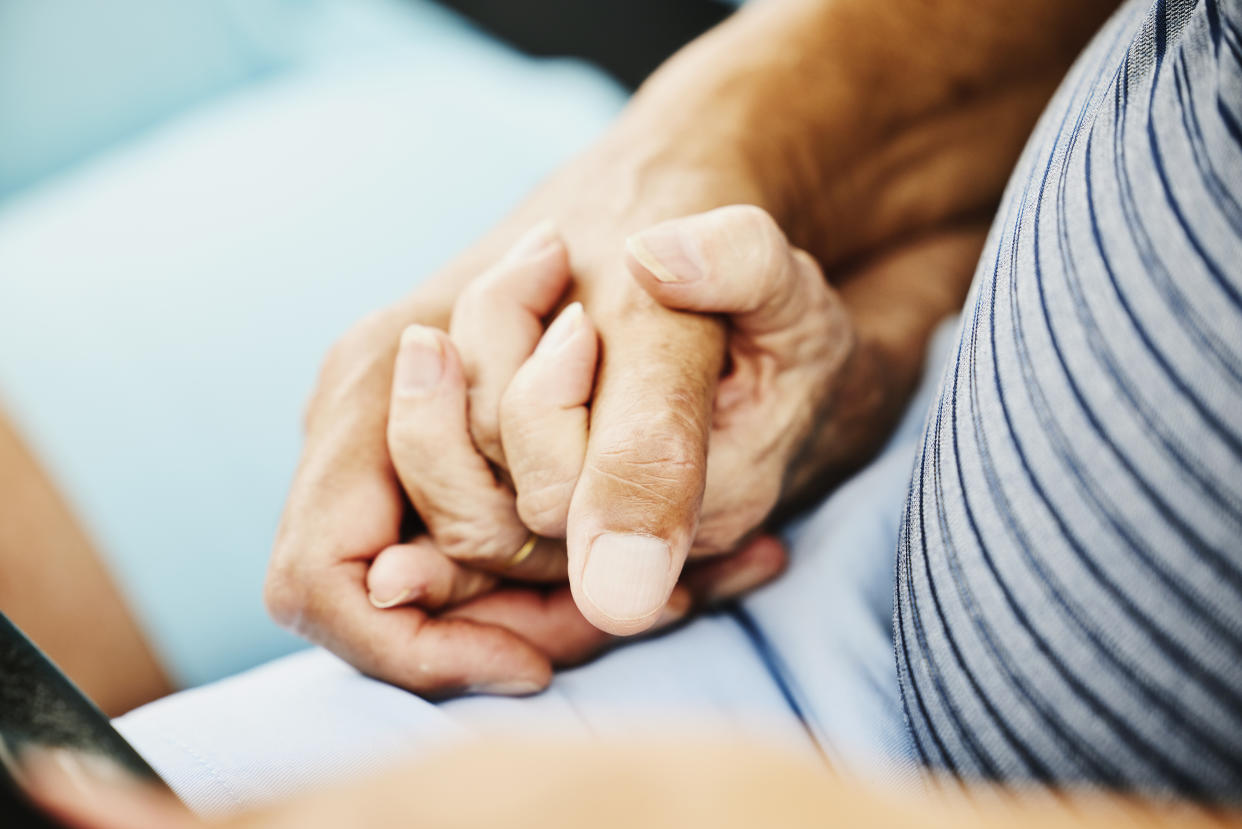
x,y
1068,604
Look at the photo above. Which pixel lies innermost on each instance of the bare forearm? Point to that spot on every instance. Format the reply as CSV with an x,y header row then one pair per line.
x,y
852,122
880,136
54,585
862,121
662,782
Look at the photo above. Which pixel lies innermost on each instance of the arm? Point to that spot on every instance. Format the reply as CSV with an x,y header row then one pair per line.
x,y
863,125
854,123
53,583
653,782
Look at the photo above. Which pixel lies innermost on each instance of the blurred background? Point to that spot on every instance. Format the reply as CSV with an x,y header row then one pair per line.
x,y
198,196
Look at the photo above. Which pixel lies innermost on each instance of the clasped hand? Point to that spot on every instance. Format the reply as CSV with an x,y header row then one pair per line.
x,y
648,503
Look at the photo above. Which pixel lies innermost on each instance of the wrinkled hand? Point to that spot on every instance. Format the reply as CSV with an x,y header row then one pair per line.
x,y
507,640
347,506
856,154
806,397
790,339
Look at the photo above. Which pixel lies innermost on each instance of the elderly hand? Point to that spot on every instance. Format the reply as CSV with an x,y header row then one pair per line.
x,y
646,456
470,632
788,397
791,339
761,111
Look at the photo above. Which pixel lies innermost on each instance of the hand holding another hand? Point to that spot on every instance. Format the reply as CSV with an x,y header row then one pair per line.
x,y
791,339
448,611
484,635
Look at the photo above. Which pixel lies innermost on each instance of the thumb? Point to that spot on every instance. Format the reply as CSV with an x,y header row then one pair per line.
x,y
635,509
733,260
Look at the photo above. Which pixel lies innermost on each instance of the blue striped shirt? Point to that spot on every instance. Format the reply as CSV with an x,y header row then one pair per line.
x,y
1069,579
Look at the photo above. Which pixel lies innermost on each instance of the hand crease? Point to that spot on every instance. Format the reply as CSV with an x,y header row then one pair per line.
x,y
637,484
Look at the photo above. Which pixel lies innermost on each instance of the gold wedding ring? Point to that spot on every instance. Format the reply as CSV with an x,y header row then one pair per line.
x,y
524,552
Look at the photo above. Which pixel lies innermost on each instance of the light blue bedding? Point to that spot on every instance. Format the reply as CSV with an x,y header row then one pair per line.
x,y
806,663
165,303
78,79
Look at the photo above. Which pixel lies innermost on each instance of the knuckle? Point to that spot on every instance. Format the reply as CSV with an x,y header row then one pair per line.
x,y
544,506
284,597
808,263
756,219
720,535
476,293
519,412
411,439
484,422
727,523
723,533
761,232
771,249
358,339
339,372
402,439
340,353
658,456
470,293
485,427
663,438
751,244
517,399
466,540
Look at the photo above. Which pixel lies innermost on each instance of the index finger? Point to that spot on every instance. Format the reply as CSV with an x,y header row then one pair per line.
x,y
635,510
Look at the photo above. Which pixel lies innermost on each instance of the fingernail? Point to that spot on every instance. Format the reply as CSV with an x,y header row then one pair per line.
x,y
389,581
400,598
627,575
562,328
420,363
533,243
672,256
515,688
